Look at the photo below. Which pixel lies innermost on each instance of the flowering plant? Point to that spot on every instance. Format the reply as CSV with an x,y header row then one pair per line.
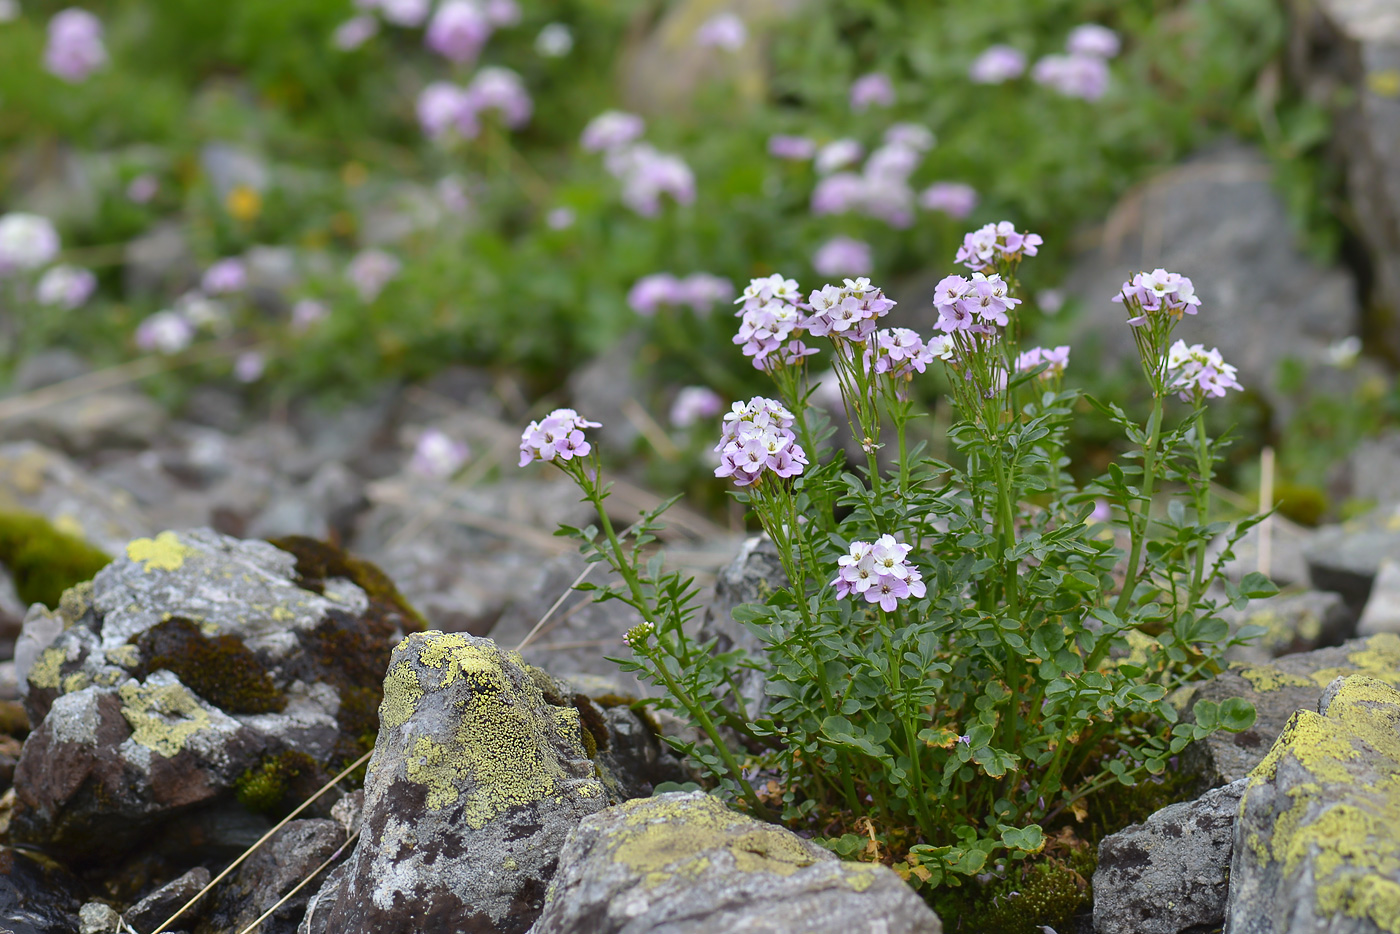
x,y
963,652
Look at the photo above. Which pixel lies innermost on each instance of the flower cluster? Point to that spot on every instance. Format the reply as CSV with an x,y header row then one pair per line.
x,y
225,277
722,31
796,148
843,256
974,304
66,287
611,130
770,310
900,352
438,456
694,403
872,90
1158,291
955,199
880,572
1056,360
997,65
881,189
1082,76
757,436
700,290
74,48
27,241
647,173
1196,372
846,312
164,332
993,243
558,437
445,107
370,271
459,29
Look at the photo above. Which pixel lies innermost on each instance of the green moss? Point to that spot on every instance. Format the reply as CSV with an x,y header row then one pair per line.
x,y
43,561
220,669
1305,505
271,786
1046,893
318,561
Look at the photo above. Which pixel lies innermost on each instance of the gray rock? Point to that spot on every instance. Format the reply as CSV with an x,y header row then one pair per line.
x,y
752,577
1286,543
159,905
1346,558
608,388
1169,874
272,872
325,505
190,660
475,782
683,862
634,754
1276,690
1368,473
1219,220
48,367
37,896
1345,54
1315,845
160,261
118,418
1382,613
1293,622
37,479
98,918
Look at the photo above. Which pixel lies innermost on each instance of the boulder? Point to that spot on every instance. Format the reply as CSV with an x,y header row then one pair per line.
x,y
38,480
1346,558
1170,874
1315,844
193,670
477,779
683,862
1382,613
1219,220
99,421
271,873
752,577
152,910
1345,54
37,896
1276,690
1292,622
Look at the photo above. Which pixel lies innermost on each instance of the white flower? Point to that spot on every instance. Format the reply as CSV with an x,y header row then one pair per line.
x,y
837,155
166,332
66,286
554,41
27,241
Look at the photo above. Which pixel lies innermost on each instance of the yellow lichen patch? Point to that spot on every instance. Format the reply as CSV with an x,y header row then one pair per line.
x,y
163,717
76,601
401,695
44,672
860,876
165,552
75,682
769,849
127,655
1265,679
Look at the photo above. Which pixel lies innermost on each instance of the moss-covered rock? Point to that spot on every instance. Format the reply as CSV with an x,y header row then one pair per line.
x,y
44,561
1316,845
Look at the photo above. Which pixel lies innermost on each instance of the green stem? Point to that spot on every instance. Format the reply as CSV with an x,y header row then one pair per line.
x,y
1139,526
1203,468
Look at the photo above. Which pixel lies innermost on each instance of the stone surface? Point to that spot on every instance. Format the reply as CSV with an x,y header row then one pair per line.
x,y
1218,219
1276,690
37,479
270,873
37,896
1293,622
1368,473
1346,558
1316,847
192,665
1345,55
1382,613
117,418
98,918
683,862
475,782
151,911
1171,873
635,755
752,577
1286,543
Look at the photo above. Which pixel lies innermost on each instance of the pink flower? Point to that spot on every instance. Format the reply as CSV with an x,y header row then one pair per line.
x,y
354,32
651,292
458,30
408,13
1082,76
997,65
500,89
757,436
722,31
879,572
872,90
694,403
27,242
1093,39
914,136
647,174
795,148
248,366
610,130
165,332
1056,360
702,291
952,198
225,277
370,271
438,456
843,256
308,312
443,107
558,437
560,219
838,154
503,13
65,287
74,48
1199,373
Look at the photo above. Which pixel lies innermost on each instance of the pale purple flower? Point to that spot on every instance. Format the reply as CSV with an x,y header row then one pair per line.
x,y
900,352
694,403
771,323
893,161
955,199
559,436
1103,512
757,436
796,148
501,90
438,456
1093,39
74,48
702,291
306,313
370,271
66,287
838,154
452,194
1159,291
354,32
651,292
503,13
203,312
560,218
1082,76
647,174
839,193
1199,373
1056,360
1344,352
888,198
880,572
458,30
843,256
554,41
872,90
164,332
973,304
1050,300
142,188
27,241
225,277
249,366
993,243
846,312
914,136
407,13
766,289
611,129
997,64
722,31
443,107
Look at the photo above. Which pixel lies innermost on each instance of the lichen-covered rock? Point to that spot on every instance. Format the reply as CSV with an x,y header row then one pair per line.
x,y
1316,845
1276,690
1295,622
36,895
683,863
475,783
268,875
1170,873
195,668
38,480
1346,558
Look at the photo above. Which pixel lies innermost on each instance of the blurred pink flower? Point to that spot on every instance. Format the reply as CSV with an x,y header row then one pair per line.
x,y
1093,39
872,90
791,147
560,219
225,277
611,130
722,31
444,107
843,256
1082,76
952,198
142,188
248,366
306,313
997,65
164,332
354,32
66,287
370,271
438,456
500,89
694,403
74,48
458,30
